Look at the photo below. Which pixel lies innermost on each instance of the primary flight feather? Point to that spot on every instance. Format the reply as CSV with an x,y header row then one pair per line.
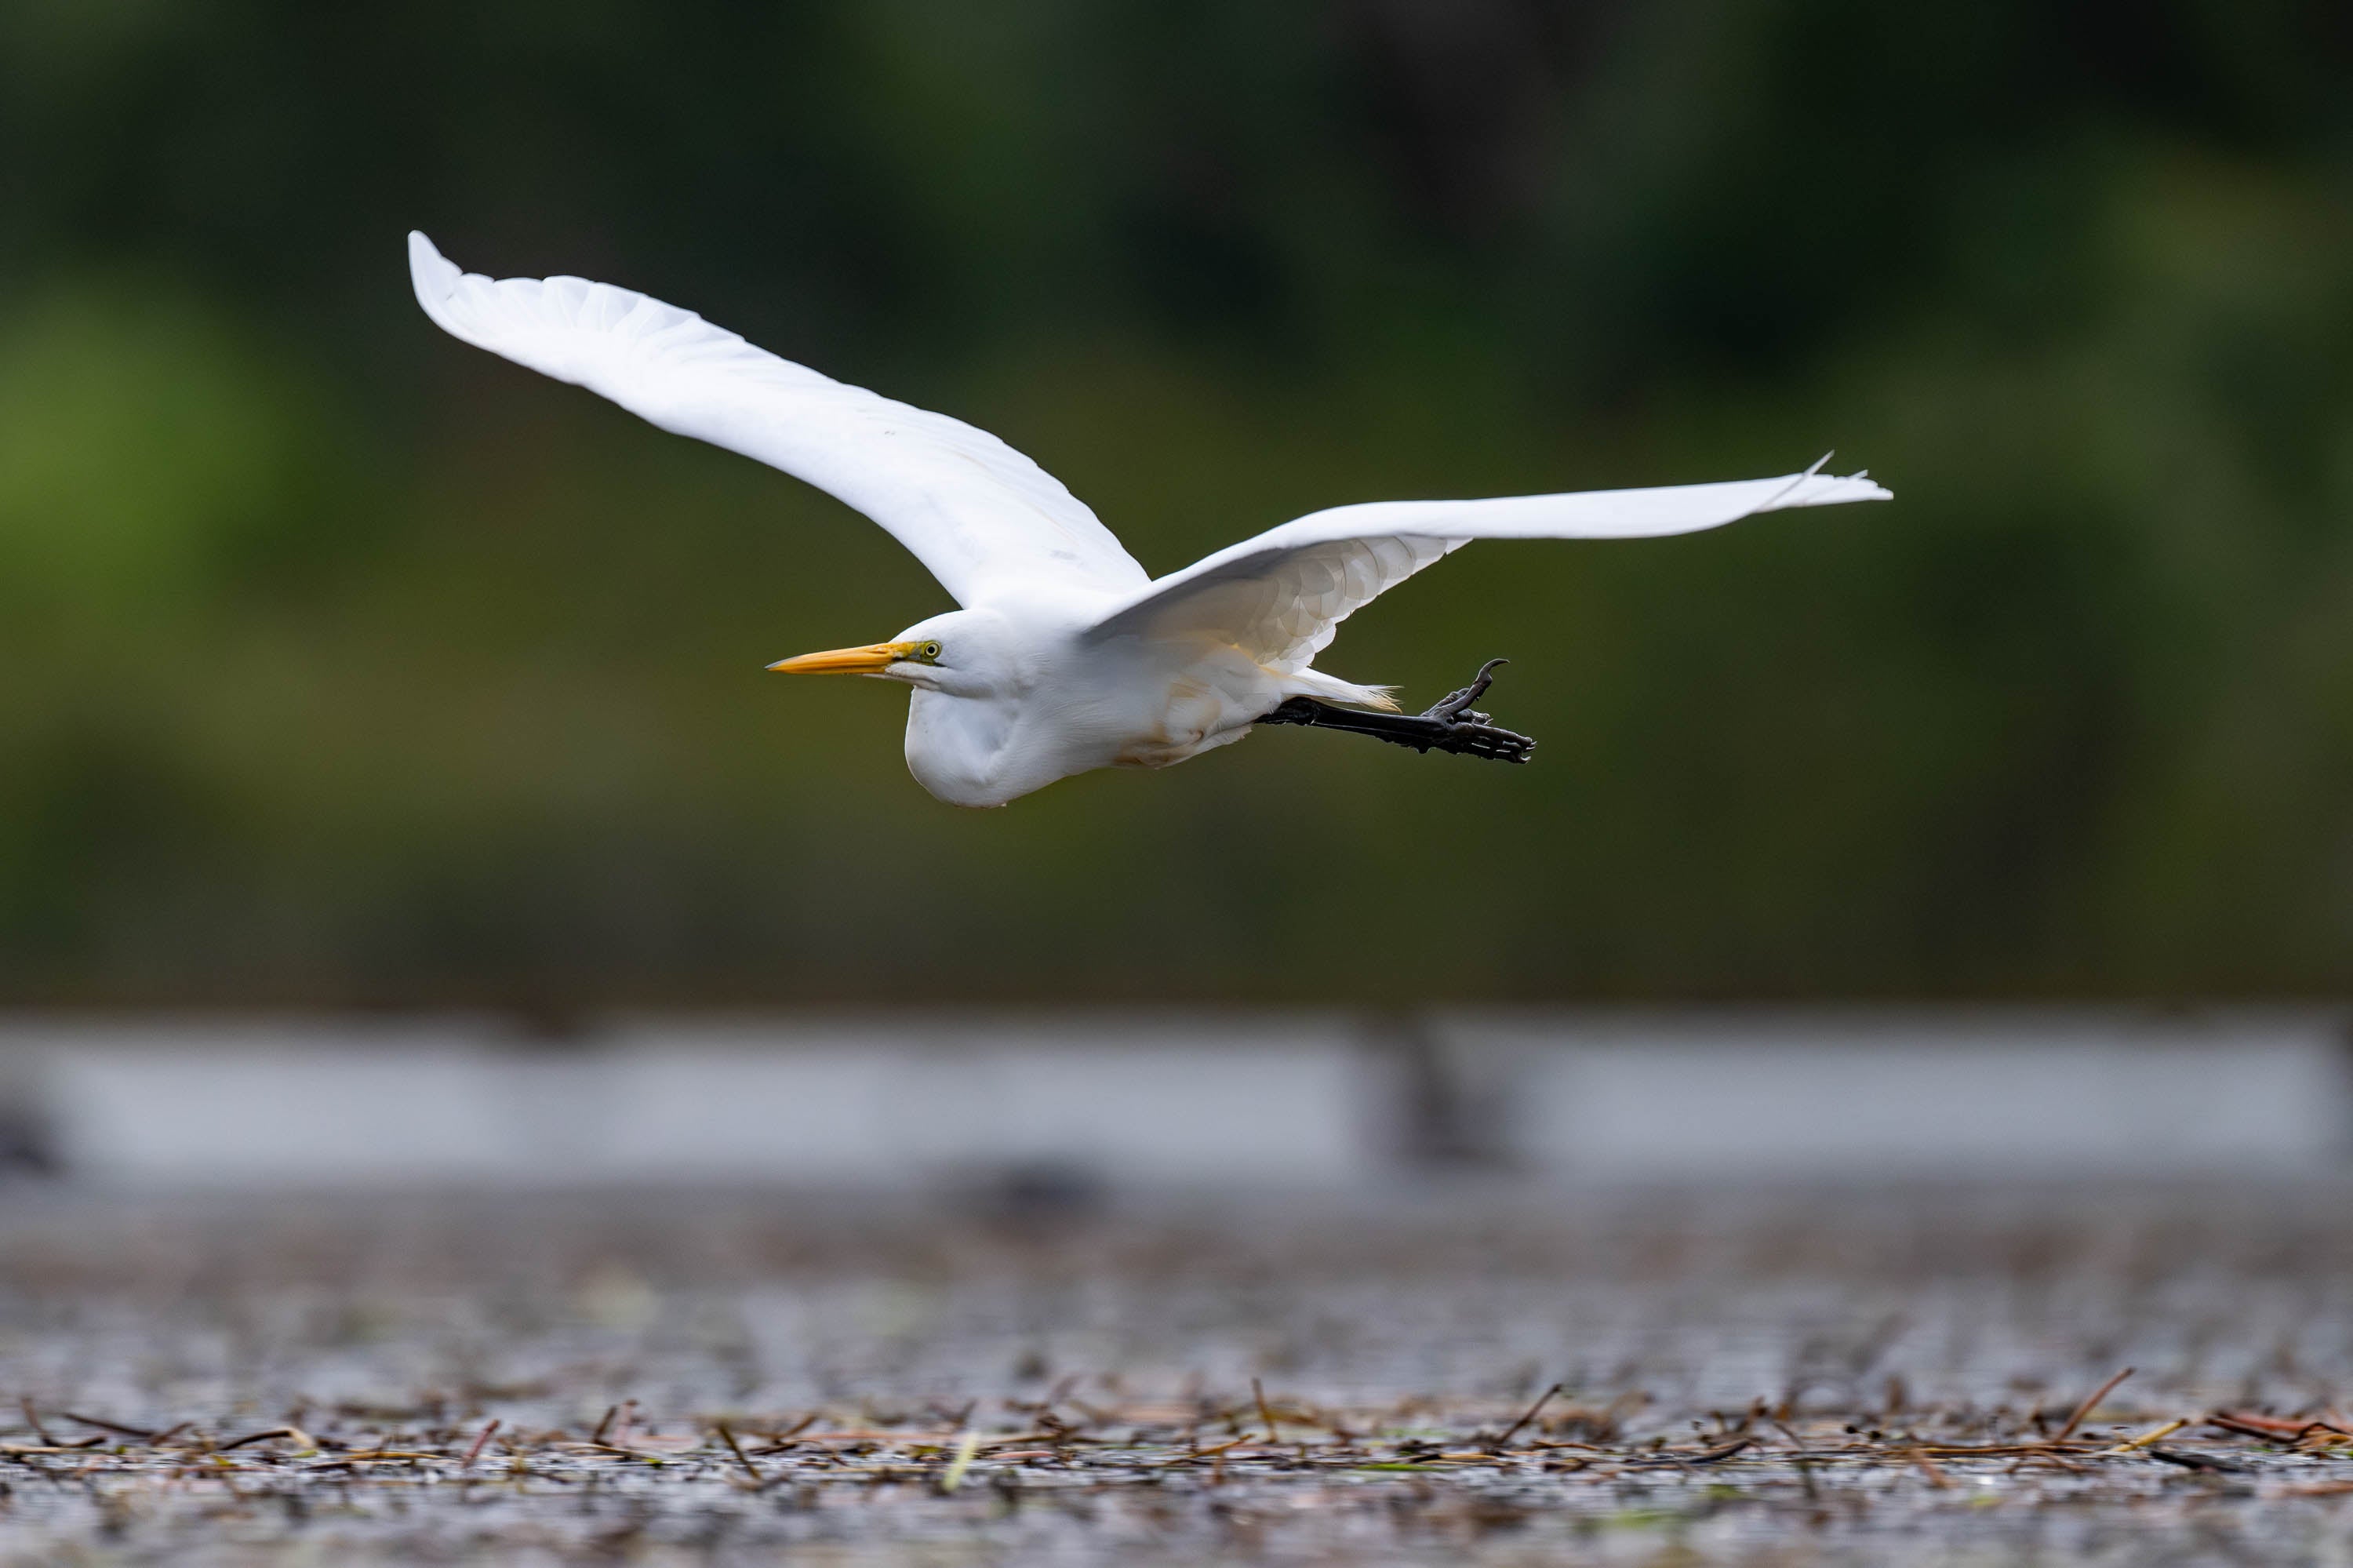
x,y
1067,655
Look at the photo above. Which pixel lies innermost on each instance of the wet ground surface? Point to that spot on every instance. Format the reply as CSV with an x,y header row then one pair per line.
x,y
1654,1378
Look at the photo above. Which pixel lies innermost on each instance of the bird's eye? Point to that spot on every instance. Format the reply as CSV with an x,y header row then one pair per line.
x,y
929,650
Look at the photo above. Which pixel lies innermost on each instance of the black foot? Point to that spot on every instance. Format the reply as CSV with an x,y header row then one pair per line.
x,y
1446,726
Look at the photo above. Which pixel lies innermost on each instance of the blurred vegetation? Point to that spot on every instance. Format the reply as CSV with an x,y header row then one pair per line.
x,y
347,664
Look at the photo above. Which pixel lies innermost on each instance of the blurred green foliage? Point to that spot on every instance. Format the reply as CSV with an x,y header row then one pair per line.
x,y
344,663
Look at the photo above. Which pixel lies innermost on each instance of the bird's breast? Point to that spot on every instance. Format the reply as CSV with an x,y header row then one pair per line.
x,y
957,748
1122,708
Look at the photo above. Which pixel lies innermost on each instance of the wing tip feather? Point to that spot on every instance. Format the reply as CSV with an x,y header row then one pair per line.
x,y
1815,488
433,275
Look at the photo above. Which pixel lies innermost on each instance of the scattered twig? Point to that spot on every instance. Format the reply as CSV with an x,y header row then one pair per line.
x,y
2270,1427
2155,1433
1718,1456
1706,1457
736,1448
484,1437
967,1447
294,1432
143,1434
1508,1433
2089,1405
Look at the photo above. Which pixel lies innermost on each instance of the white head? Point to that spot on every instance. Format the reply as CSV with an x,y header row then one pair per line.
x,y
964,653
972,672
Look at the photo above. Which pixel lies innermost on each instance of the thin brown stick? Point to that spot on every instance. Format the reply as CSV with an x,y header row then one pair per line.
x,y
750,1469
1526,1415
145,1433
1669,1457
1718,1456
778,1442
33,1419
1263,1412
2251,1426
2090,1405
258,1438
2040,1456
475,1452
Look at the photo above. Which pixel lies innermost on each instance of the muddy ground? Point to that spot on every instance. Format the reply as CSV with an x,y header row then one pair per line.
x,y
1476,1373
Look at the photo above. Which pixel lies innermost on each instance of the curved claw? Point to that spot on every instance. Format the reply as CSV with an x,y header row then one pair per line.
x,y
1448,725
1452,707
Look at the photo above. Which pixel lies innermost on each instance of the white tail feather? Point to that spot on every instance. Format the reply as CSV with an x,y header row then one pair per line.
x,y
1332,689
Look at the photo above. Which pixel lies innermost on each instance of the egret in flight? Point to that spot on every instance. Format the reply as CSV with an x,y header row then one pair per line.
x,y
1066,655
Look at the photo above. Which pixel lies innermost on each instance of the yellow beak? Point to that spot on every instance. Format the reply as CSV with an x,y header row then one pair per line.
x,y
870,660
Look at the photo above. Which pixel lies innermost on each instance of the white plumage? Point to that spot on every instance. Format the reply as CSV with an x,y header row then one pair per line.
x,y
1067,655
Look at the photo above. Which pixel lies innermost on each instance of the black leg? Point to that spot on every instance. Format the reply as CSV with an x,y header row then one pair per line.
x,y
1449,725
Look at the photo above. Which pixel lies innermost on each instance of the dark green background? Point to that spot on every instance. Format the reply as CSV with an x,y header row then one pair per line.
x,y
339,663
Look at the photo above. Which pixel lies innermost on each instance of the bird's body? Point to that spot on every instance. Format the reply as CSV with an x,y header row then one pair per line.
x,y
1066,656
1054,702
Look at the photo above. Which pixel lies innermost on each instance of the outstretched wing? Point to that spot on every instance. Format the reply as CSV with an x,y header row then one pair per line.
x,y
983,518
1280,597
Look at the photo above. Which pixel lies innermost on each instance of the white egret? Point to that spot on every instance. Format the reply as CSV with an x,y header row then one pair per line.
x,y
1066,655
